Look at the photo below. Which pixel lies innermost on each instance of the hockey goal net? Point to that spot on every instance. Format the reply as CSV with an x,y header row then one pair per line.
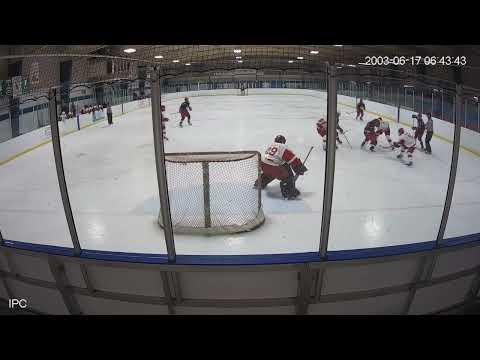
x,y
213,192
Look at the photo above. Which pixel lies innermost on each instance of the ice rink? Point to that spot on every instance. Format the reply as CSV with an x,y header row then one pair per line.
x,y
111,178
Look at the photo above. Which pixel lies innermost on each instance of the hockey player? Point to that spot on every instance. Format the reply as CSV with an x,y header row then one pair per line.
x,y
406,143
242,89
162,120
360,109
419,129
322,130
277,163
385,129
184,112
371,133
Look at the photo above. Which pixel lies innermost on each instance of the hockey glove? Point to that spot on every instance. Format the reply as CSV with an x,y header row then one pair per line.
x,y
300,170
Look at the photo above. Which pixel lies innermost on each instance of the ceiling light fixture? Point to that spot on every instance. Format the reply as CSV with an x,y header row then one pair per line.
x,y
176,61
129,50
300,57
314,52
159,57
237,51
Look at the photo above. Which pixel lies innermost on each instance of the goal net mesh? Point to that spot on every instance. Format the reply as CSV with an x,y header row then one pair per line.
x,y
213,193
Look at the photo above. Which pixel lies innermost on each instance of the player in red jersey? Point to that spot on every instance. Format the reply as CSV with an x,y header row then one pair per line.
x,y
322,130
371,133
360,109
406,143
184,107
419,129
277,163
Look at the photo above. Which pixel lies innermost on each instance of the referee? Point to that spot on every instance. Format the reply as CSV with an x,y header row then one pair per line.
x,y
429,129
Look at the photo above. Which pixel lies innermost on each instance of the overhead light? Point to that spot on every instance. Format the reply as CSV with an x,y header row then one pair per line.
x,y
407,86
290,61
338,45
240,61
176,61
238,57
187,64
159,57
314,52
300,57
352,65
237,51
339,67
129,50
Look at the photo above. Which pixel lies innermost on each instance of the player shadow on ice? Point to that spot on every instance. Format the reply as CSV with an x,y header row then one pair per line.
x,y
274,203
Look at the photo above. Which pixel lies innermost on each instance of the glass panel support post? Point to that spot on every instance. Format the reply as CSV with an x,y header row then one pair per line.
x,y
330,159
160,165
57,153
453,165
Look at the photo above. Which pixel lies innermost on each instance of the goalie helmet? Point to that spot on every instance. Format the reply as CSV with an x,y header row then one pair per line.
x,y
401,131
186,99
162,107
280,139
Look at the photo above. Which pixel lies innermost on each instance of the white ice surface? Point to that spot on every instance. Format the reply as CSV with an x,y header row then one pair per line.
x,y
111,178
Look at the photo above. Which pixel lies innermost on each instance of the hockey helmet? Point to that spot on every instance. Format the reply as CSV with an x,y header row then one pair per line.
x,y
186,99
401,131
280,139
162,107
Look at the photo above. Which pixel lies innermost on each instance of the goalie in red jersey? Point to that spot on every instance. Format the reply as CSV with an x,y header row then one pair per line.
x,y
322,130
371,133
277,163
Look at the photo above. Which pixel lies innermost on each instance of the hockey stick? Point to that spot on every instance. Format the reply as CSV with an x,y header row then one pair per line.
x,y
348,142
304,161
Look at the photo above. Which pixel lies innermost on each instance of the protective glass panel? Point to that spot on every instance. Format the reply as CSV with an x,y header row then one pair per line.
x,y
109,161
231,111
384,180
463,216
31,208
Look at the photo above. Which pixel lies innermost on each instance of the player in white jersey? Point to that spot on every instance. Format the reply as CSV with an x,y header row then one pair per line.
x,y
277,163
384,128
406,143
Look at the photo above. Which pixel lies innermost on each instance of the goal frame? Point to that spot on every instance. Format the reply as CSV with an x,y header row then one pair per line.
x,y
207,229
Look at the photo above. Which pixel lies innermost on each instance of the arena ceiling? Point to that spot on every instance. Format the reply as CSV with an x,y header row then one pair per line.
x,y
175,59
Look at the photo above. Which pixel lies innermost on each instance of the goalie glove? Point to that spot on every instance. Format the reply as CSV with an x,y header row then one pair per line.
x,y
300,169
